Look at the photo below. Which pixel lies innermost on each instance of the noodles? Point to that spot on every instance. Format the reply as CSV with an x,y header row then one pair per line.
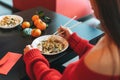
x,y
9,21
51,45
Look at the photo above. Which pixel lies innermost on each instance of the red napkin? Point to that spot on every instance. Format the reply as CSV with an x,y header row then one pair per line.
x,y
8,61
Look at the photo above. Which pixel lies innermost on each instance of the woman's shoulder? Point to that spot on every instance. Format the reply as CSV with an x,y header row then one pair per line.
x,y
100,60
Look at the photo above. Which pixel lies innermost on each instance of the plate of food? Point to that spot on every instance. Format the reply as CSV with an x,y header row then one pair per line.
x,y
50,44
10,21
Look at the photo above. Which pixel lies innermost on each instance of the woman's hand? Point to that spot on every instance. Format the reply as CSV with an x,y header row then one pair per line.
x,y
27,48
64,32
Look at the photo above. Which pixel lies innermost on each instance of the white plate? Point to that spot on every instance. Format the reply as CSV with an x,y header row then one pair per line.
x,y
9,23
45,37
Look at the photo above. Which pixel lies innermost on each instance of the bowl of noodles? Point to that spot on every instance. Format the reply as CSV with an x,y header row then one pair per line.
x,y
10,21
50,44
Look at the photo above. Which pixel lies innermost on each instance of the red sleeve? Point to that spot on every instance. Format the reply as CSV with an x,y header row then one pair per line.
x,y
79,45
37,67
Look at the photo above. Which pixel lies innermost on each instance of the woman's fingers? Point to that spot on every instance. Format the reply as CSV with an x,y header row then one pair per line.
x,y
27,48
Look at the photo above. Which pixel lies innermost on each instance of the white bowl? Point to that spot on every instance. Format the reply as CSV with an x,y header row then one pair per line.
x,y
38,40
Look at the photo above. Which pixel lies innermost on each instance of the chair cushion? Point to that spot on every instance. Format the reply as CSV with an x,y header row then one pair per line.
x,y
69,8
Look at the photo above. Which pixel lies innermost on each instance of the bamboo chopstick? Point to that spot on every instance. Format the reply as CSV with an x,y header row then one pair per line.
x,y
69,28
74,25
66,24
69,21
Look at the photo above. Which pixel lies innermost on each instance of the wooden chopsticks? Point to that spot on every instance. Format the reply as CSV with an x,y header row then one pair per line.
x,y
56,33
69,28
66,24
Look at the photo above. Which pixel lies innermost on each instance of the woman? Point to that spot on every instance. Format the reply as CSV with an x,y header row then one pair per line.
x,y
101,62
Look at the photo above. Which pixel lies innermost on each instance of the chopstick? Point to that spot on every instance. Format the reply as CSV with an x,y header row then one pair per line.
x,y
69,28
74,25
66,24
70,21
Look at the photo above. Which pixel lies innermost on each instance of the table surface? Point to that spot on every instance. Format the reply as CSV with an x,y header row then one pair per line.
x,y
13,40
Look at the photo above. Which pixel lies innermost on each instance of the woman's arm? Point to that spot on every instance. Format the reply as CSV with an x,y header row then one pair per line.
x,y
37,66
79,45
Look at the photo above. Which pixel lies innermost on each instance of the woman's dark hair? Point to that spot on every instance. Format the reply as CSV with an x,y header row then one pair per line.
x,y
110,17
109,11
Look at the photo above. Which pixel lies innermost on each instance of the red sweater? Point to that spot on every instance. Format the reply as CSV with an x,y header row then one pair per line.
x,y
38,68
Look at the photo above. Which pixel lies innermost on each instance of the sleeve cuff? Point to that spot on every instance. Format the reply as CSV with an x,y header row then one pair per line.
x,y
73,40
34,55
